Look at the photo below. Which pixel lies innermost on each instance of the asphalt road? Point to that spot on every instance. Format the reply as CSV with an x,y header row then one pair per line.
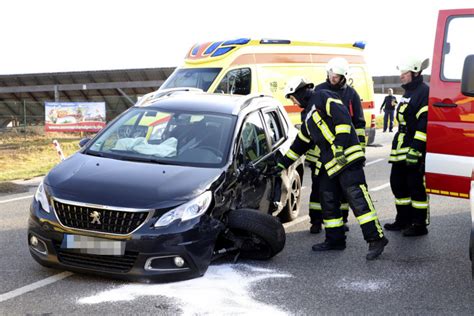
x,y
423,275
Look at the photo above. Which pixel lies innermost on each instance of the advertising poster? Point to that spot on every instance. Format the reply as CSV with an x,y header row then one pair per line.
x,y
74,116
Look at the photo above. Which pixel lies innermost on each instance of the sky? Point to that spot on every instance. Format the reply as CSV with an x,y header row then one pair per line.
x,y
81,35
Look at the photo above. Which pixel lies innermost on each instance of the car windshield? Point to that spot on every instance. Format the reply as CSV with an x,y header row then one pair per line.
x,y
201,78
181,138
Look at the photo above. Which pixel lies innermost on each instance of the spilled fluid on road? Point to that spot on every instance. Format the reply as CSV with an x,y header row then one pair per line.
x,y
224,289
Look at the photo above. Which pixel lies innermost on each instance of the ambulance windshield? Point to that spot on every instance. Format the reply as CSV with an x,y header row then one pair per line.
x,y
201,78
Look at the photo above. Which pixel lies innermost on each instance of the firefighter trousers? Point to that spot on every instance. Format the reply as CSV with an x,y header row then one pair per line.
x,y
315,209
411,200
351,184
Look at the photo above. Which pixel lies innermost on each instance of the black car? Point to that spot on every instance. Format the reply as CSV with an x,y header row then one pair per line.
x,y
171,184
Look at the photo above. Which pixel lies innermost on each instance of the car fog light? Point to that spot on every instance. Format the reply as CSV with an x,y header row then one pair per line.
x,y
179,262
34,241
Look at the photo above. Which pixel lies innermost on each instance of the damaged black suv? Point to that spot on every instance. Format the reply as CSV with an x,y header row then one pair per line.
x,y
176,181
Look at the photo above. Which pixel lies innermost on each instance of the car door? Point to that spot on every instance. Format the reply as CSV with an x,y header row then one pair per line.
x,y
276,131
253,161
450,141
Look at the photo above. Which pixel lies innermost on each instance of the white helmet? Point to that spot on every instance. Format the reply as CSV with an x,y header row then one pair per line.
x,y
339,66
413,64
295,84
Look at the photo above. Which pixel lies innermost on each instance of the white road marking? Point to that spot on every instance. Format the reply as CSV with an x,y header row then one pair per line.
x,y
380,187
374,161
16,199
34,286
296,221
228,285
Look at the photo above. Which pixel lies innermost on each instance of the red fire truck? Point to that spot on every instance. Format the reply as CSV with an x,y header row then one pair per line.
x,y
450,134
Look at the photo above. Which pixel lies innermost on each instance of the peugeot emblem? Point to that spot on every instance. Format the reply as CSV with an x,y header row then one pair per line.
x,y
95,217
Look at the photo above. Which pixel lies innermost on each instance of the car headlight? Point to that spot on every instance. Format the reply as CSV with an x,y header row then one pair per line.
x,y
41,198
189,210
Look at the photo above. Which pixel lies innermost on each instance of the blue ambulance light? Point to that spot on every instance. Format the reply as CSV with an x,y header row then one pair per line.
x,y
239,41
222,50
360,44
195,50
212,48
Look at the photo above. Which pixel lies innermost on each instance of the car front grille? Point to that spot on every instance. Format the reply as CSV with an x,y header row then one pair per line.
x,y
121,264
105,220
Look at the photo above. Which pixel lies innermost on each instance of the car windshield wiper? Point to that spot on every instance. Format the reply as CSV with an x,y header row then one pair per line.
x,y
94,153
145,159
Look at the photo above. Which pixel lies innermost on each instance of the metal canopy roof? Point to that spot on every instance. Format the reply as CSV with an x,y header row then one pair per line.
x,y
382,83
24,95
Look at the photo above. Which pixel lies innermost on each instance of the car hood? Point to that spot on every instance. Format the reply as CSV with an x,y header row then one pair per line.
x,y
112,182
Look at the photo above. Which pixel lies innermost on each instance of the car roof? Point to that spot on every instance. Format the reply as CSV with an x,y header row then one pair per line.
x,y
206,102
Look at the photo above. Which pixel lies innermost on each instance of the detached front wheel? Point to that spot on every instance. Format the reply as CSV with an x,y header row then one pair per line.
x,y
259,236
292,208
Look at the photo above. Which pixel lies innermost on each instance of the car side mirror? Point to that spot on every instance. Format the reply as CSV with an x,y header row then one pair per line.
x,y
84,142
467,80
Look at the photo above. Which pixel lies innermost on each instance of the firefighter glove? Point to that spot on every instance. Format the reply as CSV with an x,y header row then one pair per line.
x,y
413,156
275,170
339,156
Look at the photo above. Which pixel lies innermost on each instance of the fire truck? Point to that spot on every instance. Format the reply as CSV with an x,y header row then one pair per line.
x,y
450,133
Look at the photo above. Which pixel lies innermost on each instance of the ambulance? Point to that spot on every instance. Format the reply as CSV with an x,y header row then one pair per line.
x,y
450,132
244,66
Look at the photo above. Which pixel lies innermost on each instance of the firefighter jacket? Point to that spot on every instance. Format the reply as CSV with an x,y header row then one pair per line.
x,y
328,126
313,154
351,100
412,116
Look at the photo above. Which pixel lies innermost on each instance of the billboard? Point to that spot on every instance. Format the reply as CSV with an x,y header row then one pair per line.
x,y
74,116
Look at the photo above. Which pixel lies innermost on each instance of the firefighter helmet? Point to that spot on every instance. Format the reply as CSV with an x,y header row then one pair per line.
x,y
413,64
295,84
339,66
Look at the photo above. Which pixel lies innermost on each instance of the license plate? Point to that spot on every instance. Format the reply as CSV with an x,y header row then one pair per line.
x,y
94,245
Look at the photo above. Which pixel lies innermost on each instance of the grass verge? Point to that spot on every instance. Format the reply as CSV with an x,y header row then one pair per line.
x,y
28,156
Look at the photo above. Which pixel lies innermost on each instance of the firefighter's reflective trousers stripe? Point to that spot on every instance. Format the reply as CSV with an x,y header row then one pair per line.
x,y
411,200
351,184
315,209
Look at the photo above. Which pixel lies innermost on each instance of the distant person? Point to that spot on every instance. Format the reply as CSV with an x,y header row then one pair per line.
x,y
388,106
409,151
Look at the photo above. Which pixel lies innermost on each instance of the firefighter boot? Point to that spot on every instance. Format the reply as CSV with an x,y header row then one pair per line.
x,y
396,226
415,230
327,245
376,248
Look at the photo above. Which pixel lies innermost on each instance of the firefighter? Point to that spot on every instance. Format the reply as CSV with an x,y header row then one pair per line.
x,y
341,170
408,152
312,158
337,76
336,80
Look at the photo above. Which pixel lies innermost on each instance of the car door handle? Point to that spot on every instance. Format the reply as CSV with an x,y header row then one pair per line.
x,y
445,105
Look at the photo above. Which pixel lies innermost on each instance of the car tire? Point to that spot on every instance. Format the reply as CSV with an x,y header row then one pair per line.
x,y
262,236
293,204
